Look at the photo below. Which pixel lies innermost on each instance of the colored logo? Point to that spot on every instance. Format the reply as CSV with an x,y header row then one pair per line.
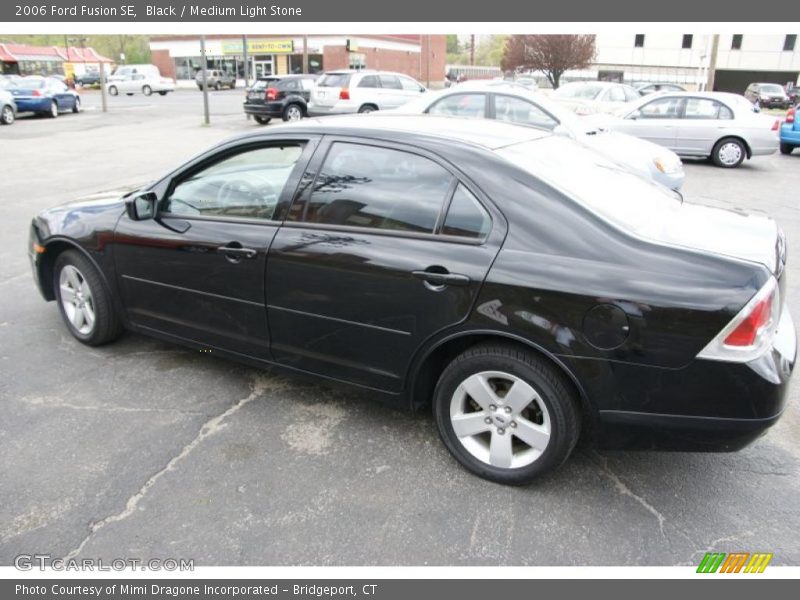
x,y
735,562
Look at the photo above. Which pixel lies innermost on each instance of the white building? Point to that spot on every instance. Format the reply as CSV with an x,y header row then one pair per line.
x,y
684,58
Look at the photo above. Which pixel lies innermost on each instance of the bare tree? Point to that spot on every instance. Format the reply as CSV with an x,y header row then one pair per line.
x,y
552,54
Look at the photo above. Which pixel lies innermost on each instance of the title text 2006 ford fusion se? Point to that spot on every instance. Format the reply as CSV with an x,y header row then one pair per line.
x,y
525,287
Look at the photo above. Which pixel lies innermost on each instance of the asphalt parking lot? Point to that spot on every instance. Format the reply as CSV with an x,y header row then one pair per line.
x,y
141,449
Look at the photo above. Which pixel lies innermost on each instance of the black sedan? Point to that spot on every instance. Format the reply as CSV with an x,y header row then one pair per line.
x,y
449,262
279,97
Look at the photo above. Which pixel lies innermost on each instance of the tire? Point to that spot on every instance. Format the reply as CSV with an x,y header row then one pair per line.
x,y
217,86
786,148
728,153
113,91
367,108
262,120
73,268
147,90
162,93
53,110
292,112
77,107
552,418
7,115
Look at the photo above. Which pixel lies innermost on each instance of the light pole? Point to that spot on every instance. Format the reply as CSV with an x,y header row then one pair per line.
x,y
204,70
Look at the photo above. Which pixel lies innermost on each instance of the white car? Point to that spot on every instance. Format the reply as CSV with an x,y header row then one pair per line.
x,y
130,79
513,103
724,127
349,91
591,97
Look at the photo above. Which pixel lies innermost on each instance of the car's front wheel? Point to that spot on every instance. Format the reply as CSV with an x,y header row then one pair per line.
x,y
728,153
83,300
147,90
505,413
162,93
112,90
7,115
77,106
53,109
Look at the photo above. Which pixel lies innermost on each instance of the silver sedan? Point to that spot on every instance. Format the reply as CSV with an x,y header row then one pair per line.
x,y
724,127
512,103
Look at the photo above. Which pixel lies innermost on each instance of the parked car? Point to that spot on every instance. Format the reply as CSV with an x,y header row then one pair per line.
x,y
146,79
45,96
347,91
767,95
521,283
718,125
285,97
216,79
590,97
790,131
88,78
8,108
793,92
512,103
651,88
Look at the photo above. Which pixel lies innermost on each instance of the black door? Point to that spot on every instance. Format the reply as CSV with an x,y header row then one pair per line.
x,y
197,271
382,249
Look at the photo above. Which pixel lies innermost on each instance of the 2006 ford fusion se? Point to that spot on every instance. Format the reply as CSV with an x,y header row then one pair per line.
x,y
526,287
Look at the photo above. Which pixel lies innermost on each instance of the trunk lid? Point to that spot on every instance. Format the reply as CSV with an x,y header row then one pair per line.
x,y
329,87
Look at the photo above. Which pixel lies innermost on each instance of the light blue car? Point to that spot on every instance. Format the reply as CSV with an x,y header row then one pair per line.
x,y
790,132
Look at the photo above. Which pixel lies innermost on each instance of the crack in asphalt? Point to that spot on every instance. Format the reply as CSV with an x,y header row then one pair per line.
x,y
259,384
624,490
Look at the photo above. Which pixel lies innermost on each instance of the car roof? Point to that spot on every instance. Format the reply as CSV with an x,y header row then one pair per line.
x,y
485,133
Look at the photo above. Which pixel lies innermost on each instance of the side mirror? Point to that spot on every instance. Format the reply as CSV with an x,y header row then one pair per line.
x,y
634,115
562,131
141,207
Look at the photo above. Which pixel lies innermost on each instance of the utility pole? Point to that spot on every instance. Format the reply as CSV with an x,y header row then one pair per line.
x,y
428,60
305,55
246,64
103,92
712,63
204,70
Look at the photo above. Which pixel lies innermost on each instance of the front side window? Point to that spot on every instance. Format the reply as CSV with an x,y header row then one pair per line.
x,y
410,85
245,185
705,108
517,110
663,108
466,217
379,188
461,105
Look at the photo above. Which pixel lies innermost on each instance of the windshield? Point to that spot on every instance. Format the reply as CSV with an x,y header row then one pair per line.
x,y
772,89
579,90
634,203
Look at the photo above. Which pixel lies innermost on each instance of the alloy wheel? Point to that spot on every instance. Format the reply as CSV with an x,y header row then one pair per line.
x,y
8,115
54,109
293,113
77,300
500,419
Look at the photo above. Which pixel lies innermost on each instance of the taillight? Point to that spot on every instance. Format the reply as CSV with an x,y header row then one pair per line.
x,y
272,94
344,94
776,125
751,332
790,116
36,93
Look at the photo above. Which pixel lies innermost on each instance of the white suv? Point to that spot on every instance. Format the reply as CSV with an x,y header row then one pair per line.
x,y
146,79
347,91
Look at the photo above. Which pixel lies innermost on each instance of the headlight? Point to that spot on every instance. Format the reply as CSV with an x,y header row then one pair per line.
x,y
668,166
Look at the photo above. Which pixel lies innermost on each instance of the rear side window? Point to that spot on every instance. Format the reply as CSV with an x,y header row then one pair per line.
x,y
517,110
288,85
466,217
369,81
410,85
379,188
705,108
390,82
334,80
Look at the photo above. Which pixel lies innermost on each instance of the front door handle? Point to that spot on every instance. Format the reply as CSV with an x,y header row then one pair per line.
x,y
234,252
441,277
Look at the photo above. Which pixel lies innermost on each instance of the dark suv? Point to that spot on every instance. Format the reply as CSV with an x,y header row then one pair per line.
x,y
767,95
279,96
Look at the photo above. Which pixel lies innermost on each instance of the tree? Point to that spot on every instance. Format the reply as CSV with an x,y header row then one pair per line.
x,y
489,51
551,54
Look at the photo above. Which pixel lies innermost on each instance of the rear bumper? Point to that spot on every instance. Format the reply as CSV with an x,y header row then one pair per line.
x,y
340,108
784,103
789,135
705,406
272,110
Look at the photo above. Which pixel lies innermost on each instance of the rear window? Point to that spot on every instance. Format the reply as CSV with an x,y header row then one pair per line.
x,y
334,80
587,91
263,84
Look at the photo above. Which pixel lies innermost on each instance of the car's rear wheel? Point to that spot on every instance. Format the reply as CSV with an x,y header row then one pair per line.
x,y
112,90
84,301
147,90
505,413
162,93
217,86
368,108
261,120
7,115
77,107
292,112
728,153
53,109
786,148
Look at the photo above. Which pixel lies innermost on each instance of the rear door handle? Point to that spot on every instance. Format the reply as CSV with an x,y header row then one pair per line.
x,y
439,279
235,251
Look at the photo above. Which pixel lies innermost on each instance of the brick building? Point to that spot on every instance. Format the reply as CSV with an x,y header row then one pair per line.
x,y
420,56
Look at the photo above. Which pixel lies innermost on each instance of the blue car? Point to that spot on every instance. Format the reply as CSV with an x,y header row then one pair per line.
x,y
790,132
45,96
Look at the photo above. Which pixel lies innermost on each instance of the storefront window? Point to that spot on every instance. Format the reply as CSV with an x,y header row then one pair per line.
x,y
357,61
314,63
